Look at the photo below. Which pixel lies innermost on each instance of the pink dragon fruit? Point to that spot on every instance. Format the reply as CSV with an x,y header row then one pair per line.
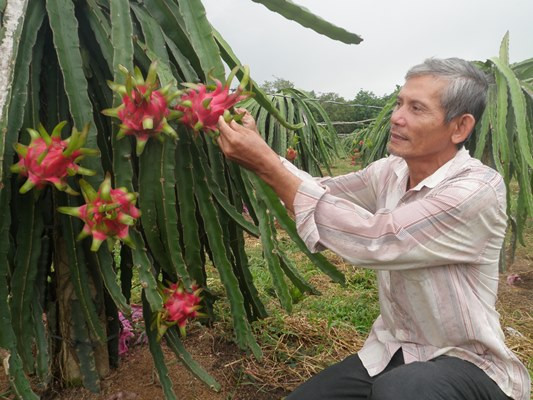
x,y
144,110
202,105
291,154
179,307
107,214
48,159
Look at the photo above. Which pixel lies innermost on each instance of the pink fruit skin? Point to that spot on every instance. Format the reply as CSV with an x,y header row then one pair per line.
x,y
208,116
181,305
136,109
53,168
99,224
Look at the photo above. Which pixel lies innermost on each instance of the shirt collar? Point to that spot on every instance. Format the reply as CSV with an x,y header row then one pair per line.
x,y
439,175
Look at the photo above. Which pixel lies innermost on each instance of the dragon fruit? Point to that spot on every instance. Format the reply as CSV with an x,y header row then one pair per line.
x,y
107,214
48,159
179,307
291,154
202,105
144,111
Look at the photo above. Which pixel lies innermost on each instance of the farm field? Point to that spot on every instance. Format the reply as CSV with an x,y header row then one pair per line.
x,y
321,330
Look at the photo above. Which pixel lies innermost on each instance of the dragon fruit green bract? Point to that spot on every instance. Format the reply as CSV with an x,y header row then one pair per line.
x,y
179,307
202,105
144,110
48,159
107,214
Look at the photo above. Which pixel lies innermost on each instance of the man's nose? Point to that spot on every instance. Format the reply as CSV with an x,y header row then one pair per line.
x,y
397,117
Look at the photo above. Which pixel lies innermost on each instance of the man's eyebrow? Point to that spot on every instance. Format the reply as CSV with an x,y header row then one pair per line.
x,y
412,101
419,103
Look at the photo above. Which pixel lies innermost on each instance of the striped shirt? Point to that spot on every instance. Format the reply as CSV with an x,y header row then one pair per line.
x,y
435,249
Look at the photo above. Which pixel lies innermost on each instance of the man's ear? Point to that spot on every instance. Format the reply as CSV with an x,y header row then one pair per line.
x,y
464,125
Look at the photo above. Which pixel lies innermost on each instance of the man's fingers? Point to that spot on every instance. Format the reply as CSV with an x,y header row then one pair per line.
x,y
241,110
223,126
238,127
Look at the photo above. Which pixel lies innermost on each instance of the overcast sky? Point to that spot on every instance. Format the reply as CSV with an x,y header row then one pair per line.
x,y
397,34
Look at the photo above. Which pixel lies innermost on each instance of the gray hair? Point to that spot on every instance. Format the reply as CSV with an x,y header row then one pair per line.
x,y
466,92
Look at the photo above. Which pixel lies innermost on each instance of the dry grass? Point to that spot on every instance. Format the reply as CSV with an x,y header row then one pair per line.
x,y
297,352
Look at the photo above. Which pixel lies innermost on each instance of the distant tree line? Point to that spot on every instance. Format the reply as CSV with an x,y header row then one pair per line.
x,y
347,115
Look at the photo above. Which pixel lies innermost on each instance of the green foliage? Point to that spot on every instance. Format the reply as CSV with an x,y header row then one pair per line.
x,y
305,18
317,145
360,111
354,304
276,85
191,200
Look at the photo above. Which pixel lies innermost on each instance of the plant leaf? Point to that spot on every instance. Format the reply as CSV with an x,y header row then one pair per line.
x,y
304,17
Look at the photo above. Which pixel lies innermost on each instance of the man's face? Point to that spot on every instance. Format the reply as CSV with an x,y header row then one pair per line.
x,y
418,131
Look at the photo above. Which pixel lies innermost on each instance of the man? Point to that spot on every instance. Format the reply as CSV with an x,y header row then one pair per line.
x,y
431,221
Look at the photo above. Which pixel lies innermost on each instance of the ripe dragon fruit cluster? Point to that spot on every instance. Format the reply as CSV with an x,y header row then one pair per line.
x,y
107,214
144,111
202,105
146,108
179,307
49,160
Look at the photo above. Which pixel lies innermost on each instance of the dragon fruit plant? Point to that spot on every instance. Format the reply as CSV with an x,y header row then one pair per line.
x,y
144,111
49,160
202,105
179,307
107,214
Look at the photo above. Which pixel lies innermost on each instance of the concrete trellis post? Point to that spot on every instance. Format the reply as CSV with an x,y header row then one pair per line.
x,y
11,31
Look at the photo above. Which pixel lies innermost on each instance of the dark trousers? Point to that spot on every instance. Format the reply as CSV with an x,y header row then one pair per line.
x,y
443,378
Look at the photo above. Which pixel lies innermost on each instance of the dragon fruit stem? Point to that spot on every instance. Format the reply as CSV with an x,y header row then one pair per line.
x,y
56,133
115,87
174,114
169,130
95,245
73,211
227,116
44,135
21,150
72,143
28,185
88,192
112,112
138,76
245,78
151,76
105,188
85,171
206,103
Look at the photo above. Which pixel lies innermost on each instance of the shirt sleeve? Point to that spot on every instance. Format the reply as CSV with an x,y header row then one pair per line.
x,y
355,187
462,222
